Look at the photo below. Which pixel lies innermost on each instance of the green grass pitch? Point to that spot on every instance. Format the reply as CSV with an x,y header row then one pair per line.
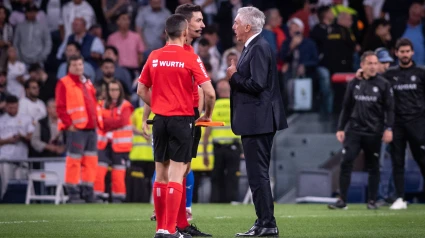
x,y
132,220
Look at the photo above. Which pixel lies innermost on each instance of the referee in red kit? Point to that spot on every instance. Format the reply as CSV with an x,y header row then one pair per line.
x,y
166,85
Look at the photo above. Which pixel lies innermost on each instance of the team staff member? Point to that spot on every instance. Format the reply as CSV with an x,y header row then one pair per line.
x,y
171,100
79,115
227,150
193,15
114,142
408,82
367,117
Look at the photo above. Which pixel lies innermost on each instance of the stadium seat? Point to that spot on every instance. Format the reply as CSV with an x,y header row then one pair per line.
x,y
45,176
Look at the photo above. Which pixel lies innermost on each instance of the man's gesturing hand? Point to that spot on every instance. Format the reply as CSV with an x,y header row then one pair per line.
x,y
231,70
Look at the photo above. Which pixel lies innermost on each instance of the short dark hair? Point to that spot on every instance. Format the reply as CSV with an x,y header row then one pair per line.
x,y
403,42
366,54
73,58
11,99
321,12
29,82
204,42
107,60
187,10
122,14
113,48
75,44
6,11
34,67
95,26
175,25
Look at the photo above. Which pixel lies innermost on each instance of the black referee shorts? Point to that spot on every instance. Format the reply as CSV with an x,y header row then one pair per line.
x,y
173,138
196,135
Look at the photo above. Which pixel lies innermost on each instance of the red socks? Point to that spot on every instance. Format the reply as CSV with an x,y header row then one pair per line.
x,y
181,217
174,197
159,200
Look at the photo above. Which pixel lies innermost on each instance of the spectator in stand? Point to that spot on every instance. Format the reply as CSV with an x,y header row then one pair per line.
x,y
378,36
210,33
19,16
6,36
47,141
298,53
91,47
52,8
319,34
73,48
113,8
72,10
120,73
46,81
339,49
209,8
226,64
129,44
97,31
108,72
31,105
414,30
268,33
204,53
15,135
225,17
304,14
274,20
32,38
237,49
16,74
150,24
373,10
3,91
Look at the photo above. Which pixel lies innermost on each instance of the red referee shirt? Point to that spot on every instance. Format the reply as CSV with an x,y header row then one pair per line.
x,y
195,86
172,72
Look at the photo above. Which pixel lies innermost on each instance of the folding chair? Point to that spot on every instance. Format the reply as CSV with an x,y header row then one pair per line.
x,y
45,176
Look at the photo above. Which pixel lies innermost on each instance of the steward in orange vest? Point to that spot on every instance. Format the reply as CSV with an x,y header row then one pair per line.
x,y
79,116
114,142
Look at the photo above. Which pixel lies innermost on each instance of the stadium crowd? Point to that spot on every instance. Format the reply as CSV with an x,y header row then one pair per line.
x,y
314,39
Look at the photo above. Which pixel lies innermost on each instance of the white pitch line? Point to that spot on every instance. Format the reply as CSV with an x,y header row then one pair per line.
x,y
342,215
45,221
223,217
19,222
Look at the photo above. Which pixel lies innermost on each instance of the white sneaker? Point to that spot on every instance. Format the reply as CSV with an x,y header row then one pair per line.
x,y
399,204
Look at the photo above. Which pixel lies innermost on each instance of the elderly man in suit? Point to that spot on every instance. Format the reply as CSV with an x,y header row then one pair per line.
x,y
257,113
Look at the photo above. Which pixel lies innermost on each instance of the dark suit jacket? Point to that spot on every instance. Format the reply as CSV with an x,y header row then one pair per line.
x,y
255,101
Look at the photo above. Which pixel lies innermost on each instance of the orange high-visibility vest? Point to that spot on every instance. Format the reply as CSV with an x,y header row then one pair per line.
x,y
122,138
75,105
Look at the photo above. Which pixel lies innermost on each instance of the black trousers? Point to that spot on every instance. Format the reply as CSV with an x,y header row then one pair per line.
x,y
414,133
257,150
371,146
224,176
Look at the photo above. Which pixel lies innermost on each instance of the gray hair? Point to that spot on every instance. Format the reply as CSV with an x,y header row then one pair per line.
x,y
252,16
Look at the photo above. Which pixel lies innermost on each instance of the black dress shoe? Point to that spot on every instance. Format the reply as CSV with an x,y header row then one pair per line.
x,y
257,231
